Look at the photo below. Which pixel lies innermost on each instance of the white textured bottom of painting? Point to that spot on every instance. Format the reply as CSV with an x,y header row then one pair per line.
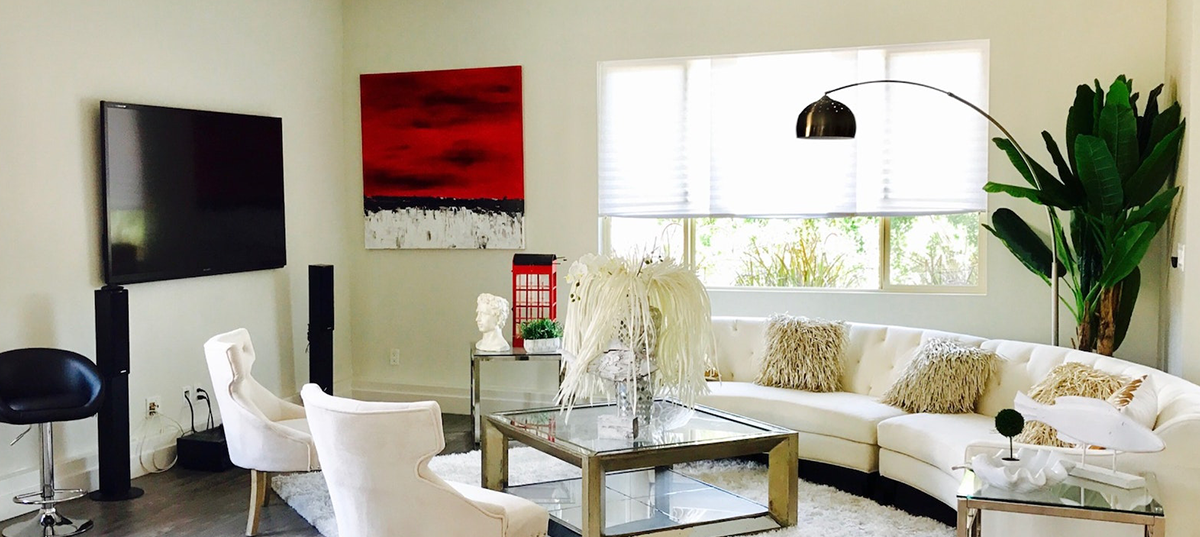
x,y
444,228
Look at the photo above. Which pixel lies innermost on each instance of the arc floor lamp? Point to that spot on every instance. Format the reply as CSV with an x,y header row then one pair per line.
x,y
827,118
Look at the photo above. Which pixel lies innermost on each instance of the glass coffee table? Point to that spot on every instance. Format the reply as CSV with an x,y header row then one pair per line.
x,y
1073,498
628,487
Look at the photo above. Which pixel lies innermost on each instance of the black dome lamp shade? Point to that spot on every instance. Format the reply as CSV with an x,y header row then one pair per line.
x,y
826,118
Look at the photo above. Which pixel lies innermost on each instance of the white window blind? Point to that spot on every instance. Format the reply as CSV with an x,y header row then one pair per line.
x,y
716,136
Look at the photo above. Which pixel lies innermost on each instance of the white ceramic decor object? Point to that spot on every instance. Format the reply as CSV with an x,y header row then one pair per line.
x,y
1035,469
490,313
1092,422
543,346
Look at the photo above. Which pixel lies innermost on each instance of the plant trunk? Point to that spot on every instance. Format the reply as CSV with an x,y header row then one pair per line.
x,y
1085,332
1106,336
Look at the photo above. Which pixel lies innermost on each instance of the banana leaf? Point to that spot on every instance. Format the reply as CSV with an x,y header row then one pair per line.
x,y
1014,156
1156,211
1030,194
1050,190
1166,122
1146,120
1155,170
1129,294
1074,188
1079,121
1118,129
1128,250
1098,172
1023,242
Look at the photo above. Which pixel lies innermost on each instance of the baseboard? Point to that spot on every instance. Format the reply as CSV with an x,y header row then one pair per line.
x,y
80,472
453,400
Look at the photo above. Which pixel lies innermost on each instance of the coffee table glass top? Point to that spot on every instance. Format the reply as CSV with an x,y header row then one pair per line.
x,y
1073,492
581,430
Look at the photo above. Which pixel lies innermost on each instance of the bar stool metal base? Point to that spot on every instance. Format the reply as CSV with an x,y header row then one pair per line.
x,y
46,523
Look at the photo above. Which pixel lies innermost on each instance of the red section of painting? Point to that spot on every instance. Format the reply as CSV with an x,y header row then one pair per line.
x,y
443,134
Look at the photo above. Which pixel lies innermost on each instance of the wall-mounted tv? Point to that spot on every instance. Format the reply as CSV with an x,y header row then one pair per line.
x,y
190,193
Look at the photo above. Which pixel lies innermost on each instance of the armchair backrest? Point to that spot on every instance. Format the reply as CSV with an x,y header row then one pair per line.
x,y
375,457
251,413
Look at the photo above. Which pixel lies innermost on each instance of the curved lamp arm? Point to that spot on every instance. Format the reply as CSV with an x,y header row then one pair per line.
x,y
950,95
834,108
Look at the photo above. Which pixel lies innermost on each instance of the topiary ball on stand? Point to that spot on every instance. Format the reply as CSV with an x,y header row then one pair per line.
x,y
1010,423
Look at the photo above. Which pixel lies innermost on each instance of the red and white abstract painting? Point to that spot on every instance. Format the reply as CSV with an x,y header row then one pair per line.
x,y
443,161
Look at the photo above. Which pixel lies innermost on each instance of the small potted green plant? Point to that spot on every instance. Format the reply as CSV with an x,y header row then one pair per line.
x,y
1010,423
542,336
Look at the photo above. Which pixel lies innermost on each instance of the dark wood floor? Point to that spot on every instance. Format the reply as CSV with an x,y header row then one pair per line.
x,y
186,503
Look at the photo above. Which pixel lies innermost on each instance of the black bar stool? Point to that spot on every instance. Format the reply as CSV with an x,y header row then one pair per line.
x,y
39,387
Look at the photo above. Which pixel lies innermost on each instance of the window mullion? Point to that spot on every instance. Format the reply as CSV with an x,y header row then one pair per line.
x,y
885,252
689,243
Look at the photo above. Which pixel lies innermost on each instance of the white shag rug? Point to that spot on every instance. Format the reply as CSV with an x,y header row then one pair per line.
x,y
824,511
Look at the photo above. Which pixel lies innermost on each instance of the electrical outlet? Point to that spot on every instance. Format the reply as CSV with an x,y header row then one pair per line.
x,y
153,405
394,357
188,393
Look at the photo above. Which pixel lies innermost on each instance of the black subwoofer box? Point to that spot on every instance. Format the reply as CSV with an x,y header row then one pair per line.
x,y
205,450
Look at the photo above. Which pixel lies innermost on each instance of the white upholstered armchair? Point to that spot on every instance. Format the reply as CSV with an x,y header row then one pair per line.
x,y
376,464
264,433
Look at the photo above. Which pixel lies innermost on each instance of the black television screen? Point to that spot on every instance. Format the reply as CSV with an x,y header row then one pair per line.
x,y
190,193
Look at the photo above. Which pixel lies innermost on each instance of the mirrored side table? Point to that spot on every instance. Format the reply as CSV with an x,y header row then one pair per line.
x,y
1073,498
515,354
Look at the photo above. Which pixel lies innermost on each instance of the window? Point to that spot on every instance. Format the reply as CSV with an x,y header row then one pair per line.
x,y
698,158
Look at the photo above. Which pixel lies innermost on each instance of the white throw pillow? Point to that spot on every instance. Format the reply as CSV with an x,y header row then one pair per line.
x,y
1139,400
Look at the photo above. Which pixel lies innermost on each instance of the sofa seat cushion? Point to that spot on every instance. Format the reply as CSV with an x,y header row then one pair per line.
x,y
845,415
939,440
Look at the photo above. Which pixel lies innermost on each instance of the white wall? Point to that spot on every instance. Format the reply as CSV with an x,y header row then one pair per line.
x,y
1182,289
422,301
59,59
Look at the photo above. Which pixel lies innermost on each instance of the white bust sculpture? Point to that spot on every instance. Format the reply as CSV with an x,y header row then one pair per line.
x,y
491,312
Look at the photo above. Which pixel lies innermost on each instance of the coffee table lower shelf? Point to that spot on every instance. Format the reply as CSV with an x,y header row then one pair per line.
x,y
649,502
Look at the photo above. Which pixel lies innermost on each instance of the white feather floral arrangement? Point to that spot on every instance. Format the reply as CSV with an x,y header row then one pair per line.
x,y
649,303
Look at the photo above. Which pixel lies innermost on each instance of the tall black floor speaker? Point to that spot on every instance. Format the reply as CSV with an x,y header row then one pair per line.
x,y
112,358
320,326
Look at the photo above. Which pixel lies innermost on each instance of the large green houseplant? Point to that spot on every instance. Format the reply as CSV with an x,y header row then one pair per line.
x,y
1115,187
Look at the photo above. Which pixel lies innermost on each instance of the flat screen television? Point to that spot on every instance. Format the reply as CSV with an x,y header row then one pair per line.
x,y
189,193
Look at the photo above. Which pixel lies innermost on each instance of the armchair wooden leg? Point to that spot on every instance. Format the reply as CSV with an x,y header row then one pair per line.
x,y
258,493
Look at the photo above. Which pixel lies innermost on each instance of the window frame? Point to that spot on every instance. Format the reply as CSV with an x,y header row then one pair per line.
x,y
884,284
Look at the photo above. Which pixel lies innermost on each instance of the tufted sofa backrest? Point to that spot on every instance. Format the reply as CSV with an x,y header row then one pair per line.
x,y
877,354
740,343
1024,364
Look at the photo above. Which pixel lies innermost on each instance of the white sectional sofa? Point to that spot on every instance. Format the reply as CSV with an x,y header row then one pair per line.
x,y
851,429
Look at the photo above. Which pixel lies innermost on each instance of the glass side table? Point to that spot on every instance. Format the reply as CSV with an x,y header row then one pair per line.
x,y
1073,498
514,354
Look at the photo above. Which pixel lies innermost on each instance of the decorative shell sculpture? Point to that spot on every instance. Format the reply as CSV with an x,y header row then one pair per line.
x,y
1036,469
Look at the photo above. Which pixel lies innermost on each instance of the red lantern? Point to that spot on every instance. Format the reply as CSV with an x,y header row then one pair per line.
x,y
534,290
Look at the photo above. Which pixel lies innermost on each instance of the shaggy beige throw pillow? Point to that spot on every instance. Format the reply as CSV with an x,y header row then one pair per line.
x,y
1072,378
803,354
944,377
